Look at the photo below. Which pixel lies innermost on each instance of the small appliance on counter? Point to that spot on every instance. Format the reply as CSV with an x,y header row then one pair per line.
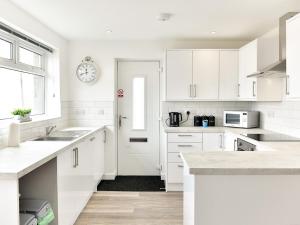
x,y
175,118
197,121
211,121
242,119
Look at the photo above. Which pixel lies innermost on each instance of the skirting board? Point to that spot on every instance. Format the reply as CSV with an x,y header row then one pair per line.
x,y
110,176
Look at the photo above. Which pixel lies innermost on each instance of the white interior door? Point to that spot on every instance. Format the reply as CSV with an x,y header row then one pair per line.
x,y
138,118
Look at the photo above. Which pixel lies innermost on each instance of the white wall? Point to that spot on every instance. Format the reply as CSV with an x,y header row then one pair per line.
x,y
93,104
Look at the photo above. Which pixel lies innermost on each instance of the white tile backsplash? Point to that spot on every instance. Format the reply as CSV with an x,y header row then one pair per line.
x,y
202,108
283,117
74,113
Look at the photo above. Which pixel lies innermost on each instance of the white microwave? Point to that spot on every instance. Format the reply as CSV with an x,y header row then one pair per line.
x,y
242,119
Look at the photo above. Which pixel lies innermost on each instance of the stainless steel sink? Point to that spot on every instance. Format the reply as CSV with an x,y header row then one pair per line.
x,y
49,138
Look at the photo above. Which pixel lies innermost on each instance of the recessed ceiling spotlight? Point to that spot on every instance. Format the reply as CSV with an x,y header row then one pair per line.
x,y
213,32
164,17
108,31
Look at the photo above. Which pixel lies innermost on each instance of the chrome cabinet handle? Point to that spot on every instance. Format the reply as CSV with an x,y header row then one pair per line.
x,y
287,91
92,139
221,141
234,145
253,88
77,157
185,145
191,91
184,135
195,90
239,86
180,166
104,137
74,157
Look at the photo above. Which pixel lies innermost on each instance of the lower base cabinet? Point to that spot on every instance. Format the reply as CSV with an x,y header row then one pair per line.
x,y
187,142
79,170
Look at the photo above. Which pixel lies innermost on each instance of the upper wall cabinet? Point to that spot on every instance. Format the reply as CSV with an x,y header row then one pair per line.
x,y
254,57
179,82
229,74
292,56
206,74
203,75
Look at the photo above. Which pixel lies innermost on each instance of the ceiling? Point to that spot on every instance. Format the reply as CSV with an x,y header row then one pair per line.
x,y
137,19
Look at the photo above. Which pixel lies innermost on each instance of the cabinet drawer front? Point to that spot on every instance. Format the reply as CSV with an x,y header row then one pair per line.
x,y
184,147
174,157
185,137
175,172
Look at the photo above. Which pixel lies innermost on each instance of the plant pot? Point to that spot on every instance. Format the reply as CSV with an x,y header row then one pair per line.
x,y
25,118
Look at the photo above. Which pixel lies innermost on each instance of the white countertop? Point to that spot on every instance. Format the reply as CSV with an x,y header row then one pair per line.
x,y
275,158
16,162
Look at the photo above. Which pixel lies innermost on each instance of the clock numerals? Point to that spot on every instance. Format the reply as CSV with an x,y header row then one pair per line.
x,y
87,72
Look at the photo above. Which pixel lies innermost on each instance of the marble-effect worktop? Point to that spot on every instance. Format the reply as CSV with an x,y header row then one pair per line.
x,y
16,162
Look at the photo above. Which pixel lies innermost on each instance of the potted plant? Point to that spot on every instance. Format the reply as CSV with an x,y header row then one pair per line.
x,y
23,115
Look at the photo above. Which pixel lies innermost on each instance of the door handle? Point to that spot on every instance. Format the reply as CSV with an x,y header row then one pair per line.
x,y
234,145
239,86
104,134
185,146
191,95
120,120
180,166
195,90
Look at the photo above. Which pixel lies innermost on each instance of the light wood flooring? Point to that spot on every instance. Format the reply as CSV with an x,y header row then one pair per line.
x,y
133,208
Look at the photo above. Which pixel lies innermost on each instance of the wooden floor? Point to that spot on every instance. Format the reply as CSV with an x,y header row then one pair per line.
x,y
133,208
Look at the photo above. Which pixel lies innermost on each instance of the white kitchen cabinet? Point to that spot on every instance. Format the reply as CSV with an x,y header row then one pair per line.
x,y
179,143
206,74
253,57
230,141
229,75
79,170
68,180
97,143
213,142
292,57
179,74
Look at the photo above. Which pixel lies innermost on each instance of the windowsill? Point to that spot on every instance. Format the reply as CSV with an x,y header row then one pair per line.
x,y
35,119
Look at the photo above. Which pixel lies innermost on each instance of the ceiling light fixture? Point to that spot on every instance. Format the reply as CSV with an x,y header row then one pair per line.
x,y
164,17
213,32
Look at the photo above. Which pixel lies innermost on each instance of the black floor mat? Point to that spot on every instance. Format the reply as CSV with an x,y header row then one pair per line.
x,y
133,183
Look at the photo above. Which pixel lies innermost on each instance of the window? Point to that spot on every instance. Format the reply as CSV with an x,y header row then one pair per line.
x,y
29,57
22,75
21,90
5,49
138,102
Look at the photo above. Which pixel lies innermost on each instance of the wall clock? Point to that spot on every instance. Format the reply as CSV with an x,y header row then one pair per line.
x,y
87,71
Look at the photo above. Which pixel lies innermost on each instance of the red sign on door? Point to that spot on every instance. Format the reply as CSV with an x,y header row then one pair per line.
x,y
120,93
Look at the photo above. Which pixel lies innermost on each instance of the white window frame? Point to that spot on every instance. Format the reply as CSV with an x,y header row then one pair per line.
x,y
15,64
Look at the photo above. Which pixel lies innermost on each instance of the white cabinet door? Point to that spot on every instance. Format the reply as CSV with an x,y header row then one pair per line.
x,y
206,74
179,71
97,145
247,66
213,141
230,142
67,187
293,55
86,172
229,75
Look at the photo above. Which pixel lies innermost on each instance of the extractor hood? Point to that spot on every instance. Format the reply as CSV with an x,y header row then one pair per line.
x,y
278,69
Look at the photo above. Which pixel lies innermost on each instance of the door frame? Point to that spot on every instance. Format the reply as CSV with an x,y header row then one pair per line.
x,y
116,125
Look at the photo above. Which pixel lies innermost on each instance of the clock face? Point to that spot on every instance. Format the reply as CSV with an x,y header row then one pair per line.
x,y
86,72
